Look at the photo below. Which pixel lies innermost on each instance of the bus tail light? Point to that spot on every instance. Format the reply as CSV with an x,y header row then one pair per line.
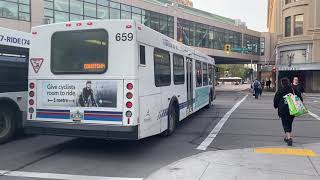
x,y
129,104
79,24
31,85
129,26
129,95
31,93
31,102
68,25
129,86
89,23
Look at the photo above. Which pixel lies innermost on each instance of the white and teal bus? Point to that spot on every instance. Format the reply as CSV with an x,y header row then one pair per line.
x,y
113,79
14,53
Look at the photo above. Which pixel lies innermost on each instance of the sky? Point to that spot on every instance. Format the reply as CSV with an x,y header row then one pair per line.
x,y
252,12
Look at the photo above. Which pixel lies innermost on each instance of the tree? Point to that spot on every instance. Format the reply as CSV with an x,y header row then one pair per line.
x,y
234,70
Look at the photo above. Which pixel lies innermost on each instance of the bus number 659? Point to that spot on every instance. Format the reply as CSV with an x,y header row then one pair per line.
x,y
124,36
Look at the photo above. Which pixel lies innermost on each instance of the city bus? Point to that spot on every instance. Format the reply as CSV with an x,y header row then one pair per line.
x,y
14,53
113,79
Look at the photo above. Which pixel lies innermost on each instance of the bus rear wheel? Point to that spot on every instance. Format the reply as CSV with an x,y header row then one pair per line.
x,y
172,120
7,124
208,106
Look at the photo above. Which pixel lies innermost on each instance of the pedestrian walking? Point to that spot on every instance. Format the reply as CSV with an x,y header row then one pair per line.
x,y
283,108
257,88
262,86
298,88
268,83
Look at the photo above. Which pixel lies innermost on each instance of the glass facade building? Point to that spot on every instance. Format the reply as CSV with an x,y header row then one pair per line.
x,y
206,36
188,32
73,10
15,9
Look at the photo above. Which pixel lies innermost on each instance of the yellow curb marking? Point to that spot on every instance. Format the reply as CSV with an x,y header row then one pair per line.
x,y
286,151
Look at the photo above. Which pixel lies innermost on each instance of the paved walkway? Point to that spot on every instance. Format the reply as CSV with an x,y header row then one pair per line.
x,y
247,164
229,87
264,160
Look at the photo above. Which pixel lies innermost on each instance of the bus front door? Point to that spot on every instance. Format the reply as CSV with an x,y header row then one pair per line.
x,y
189,86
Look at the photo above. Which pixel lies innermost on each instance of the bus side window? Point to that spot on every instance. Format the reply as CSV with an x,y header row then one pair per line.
x,y
142,55
162,67
198,74
210,72
205,74
178,69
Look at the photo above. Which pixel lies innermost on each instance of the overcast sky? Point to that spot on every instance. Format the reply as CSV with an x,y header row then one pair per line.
x,y
253,12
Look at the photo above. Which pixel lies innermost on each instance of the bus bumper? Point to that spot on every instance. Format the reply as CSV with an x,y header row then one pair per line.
x,y
82,130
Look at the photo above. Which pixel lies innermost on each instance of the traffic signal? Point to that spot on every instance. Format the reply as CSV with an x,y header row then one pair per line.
x,y
227,48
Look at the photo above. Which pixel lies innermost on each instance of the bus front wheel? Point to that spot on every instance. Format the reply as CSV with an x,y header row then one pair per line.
x,y
7,124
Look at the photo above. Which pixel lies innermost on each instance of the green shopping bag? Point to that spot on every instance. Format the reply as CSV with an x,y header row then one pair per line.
x,y
296,106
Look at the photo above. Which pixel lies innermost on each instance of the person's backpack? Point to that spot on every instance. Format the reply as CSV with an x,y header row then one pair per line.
x,y
256,84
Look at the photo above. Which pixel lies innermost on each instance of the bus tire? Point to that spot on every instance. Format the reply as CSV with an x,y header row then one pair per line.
x,y
208,106
173,118
7,124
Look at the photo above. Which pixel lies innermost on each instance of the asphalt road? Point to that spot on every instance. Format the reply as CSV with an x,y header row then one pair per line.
x,y
253,124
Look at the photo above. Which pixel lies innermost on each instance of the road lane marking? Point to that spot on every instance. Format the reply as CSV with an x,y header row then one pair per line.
x,y
314,115
59,176
286,151
2,172
213,134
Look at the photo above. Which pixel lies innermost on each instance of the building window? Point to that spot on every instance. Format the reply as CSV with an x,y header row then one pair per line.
x,y
199,74
298,24
251,44
178,69
262,46
290,1
66,10
287,27
162,68
19,10
205,36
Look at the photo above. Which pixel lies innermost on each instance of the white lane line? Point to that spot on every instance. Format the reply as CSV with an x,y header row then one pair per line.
x,y
314,115
2,172
60,176
204,145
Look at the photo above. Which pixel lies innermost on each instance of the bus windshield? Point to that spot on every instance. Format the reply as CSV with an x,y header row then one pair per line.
x,y
79,52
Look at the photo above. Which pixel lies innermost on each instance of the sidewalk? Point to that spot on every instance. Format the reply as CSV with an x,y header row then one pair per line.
x,y
247,164
316,95
229,87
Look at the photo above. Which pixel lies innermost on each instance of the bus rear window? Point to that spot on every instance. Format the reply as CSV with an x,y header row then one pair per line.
x,y
79,52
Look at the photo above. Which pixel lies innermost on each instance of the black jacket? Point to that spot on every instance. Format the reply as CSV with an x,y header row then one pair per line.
x,y
278,102
298,90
